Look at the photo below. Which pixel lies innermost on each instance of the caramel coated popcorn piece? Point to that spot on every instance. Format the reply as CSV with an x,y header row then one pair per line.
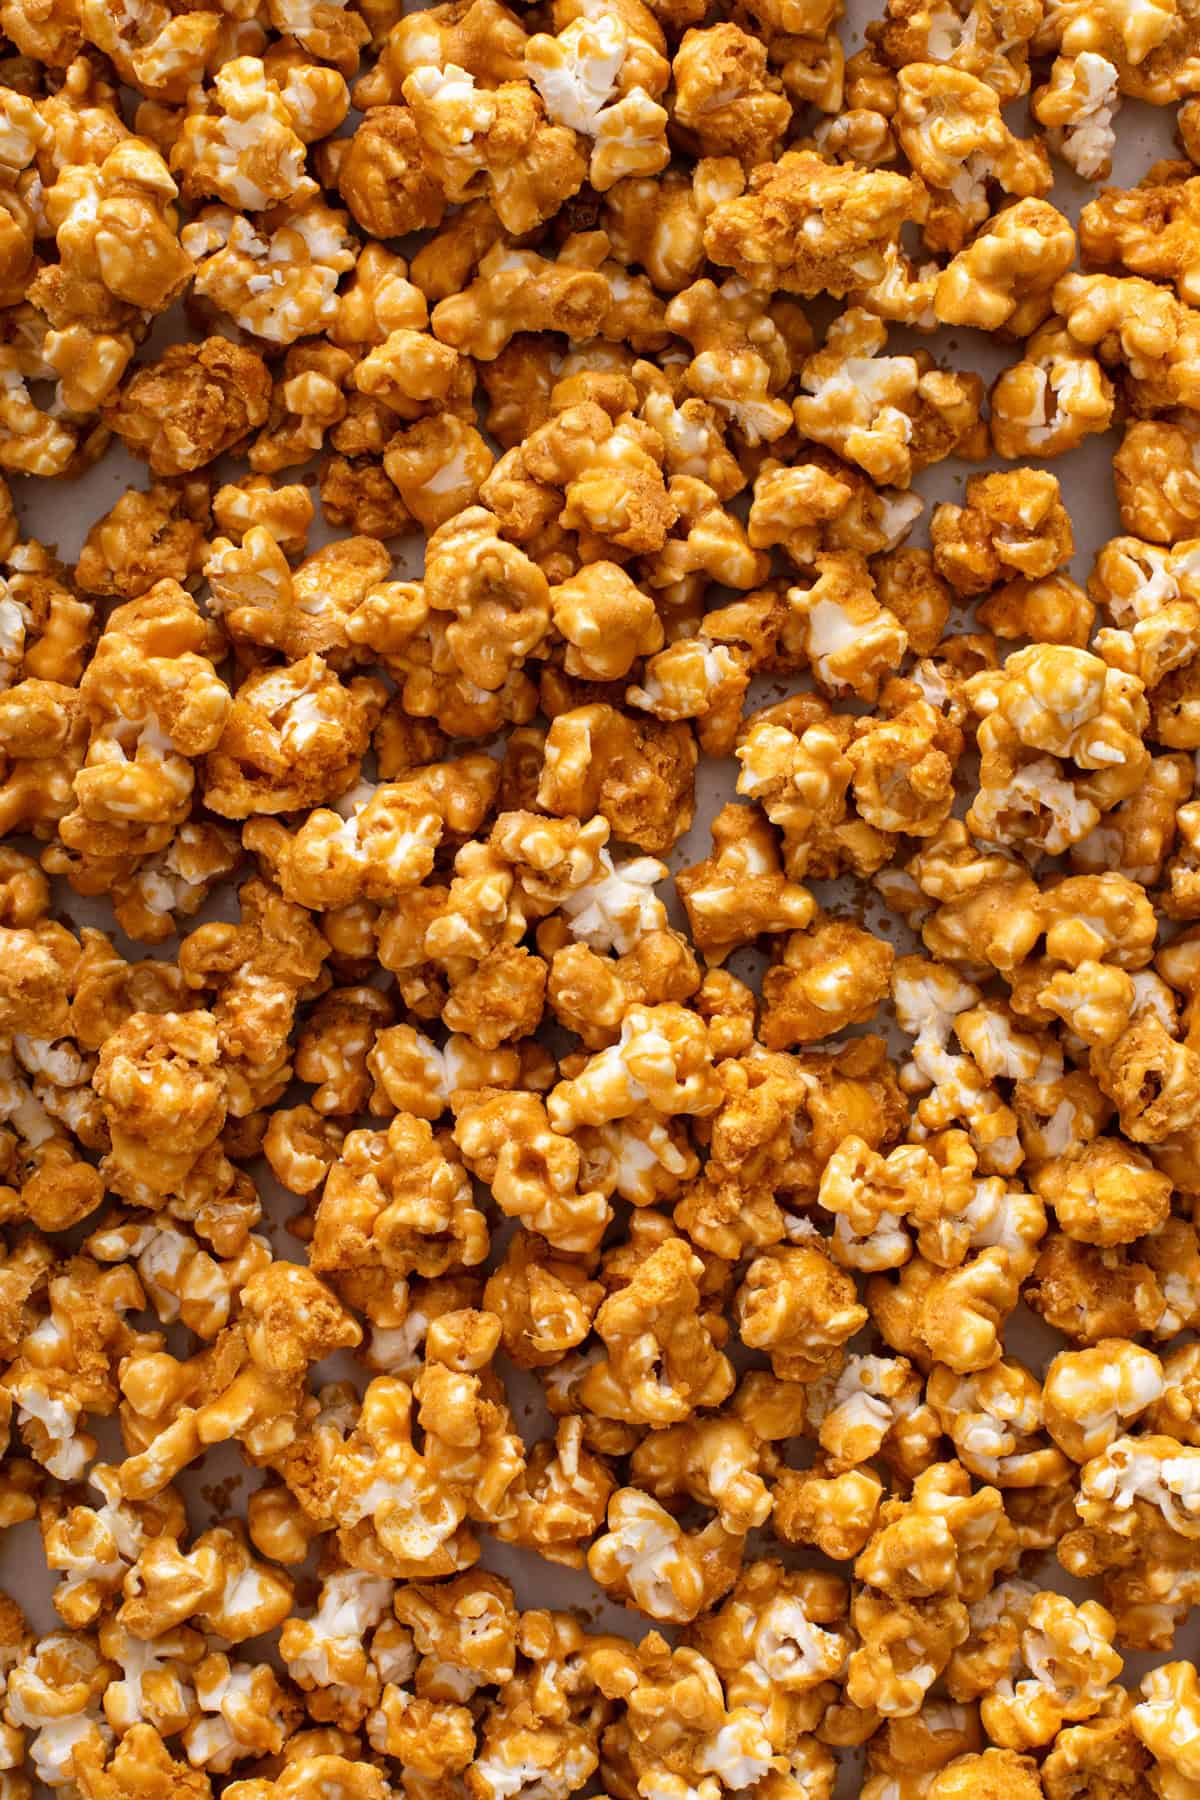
x,y
277,280
889,414
811,227
195,402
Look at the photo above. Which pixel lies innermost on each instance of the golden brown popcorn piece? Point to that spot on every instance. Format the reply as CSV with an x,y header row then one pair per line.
x,y
544,1301
1005,275
608,466
676,1719
407,374
660,224
1081,1752
606,620
259,967
147,537
356,493
1105,1192
796,769
983,148
1138,326
661,1362
247,1386
740,891
696,679
795,1304
84,1337
902,1645
834,1512
237,142
377,300
37,974
308,247
379,847
46,30
153,701
765,234
1096,1001
294,737
562,1497
706,541
1025,788
218,1582
395,1203
1012,524
1099,917
945,1539
297,611
332,1047
647,1558
496,141
1090,1294
1051,400
825,978
172,884
963,1311
160,1080
637,775
896,414
438,466
603,78
517,291
920,1745
662,1059
994,1417
1091,1394
466,1629
384,175
195,402
499,599
1156,473
307,399
989,42
108,990
878,1201
835,620
316,96
154,51
394,1516
183,1280
115,230
1053,610
1149,230
794,504
1151,1078
908,585
777,1642
904,769
991,1775
536,1172
481,36
712,1461
724,99
26,134
733,1204
1149,594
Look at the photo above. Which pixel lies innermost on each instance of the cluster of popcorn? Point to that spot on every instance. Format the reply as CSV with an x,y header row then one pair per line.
x,y
393,916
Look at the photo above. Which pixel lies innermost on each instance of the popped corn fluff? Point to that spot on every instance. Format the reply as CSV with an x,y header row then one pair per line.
x,y
775,1222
